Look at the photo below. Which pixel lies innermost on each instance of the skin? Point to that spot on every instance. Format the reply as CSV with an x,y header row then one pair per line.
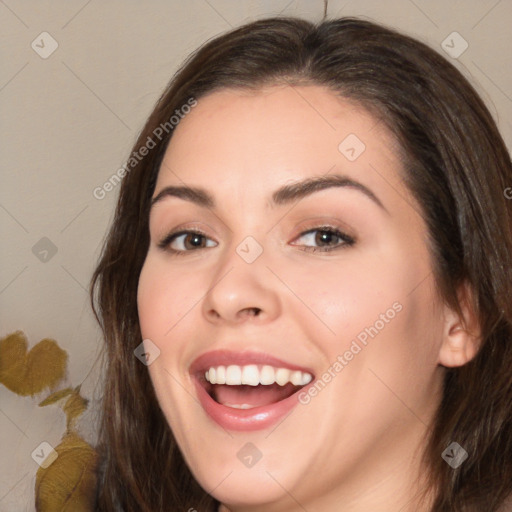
x,y
356,445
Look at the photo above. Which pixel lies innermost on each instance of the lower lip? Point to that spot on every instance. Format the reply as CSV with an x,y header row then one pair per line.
x,y
257,418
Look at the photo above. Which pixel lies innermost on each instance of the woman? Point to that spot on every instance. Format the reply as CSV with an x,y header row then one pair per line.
x,y
316,250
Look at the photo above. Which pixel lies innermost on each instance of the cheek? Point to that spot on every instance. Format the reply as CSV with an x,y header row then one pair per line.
x,y
384,303
150,303
164,298
382,357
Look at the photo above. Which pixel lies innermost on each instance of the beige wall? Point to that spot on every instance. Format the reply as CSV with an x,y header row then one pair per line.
x,y
68,122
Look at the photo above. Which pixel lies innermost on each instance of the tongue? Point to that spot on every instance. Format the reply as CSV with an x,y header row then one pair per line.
x,y
254,396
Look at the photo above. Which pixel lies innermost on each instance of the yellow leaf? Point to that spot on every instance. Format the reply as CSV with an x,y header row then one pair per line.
x,y
13,351
55,397
75,405
28,373
69,483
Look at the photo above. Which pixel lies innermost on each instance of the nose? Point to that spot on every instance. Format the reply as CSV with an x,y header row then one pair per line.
x,y
241,292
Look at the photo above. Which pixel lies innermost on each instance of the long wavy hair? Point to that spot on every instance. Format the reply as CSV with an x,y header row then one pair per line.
x,y
457,167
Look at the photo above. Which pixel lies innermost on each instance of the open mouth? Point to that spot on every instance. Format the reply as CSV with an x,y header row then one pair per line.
x,y
251,386
247,390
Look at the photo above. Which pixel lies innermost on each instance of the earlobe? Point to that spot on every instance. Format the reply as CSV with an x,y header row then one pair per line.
x,y
461,334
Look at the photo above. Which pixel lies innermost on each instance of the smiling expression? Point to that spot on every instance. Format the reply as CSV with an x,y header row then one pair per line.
x,y
272,250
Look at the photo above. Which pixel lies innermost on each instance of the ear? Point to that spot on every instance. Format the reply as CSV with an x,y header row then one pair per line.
x,y
461,334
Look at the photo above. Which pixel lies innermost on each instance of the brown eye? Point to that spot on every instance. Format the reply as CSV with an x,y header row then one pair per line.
x,y
194,239
326,239
185,241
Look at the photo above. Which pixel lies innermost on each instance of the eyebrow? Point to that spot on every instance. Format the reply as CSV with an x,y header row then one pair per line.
x,y
284,195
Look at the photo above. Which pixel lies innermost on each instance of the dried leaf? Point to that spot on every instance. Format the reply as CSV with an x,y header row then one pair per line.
x,y
75,405
69,483
13,351
55,397
46,365
28,373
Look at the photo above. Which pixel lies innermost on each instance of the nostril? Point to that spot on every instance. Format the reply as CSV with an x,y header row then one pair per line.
x,y
249,312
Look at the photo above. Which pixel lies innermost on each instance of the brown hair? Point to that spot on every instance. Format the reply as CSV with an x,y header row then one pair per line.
x,y
457,167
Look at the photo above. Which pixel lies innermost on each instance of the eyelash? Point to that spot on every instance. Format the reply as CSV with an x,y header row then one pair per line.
x,y
346,240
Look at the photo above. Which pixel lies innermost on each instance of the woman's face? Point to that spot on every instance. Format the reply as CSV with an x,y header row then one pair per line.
x,y
330,282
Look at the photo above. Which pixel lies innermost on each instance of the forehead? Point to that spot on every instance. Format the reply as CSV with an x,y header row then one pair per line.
x,y
273,114
243,141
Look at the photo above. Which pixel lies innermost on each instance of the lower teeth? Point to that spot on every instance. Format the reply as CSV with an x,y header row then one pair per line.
x,y
240,406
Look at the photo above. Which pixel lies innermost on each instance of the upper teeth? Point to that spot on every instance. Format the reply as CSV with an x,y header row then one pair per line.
x,y
253,375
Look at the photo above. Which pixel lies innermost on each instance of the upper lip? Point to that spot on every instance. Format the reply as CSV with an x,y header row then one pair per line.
x,y
229,357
